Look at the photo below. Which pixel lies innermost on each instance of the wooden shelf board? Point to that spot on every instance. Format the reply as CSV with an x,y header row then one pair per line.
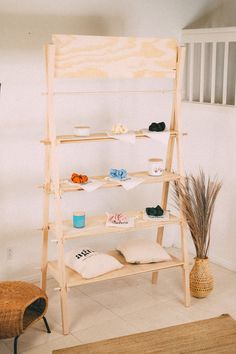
x,y
165,177
75,279
63,139
95,225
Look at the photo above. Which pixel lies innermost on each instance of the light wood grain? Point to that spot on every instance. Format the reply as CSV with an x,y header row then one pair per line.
x,y
168,165
106,57
99,136
180,169
114,57
65,187
175,123
47,171
110,92
54,176
74,278
166,176
95,225
44,256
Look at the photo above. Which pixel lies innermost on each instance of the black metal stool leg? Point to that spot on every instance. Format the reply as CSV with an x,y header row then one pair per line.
x,y
46,324
15,344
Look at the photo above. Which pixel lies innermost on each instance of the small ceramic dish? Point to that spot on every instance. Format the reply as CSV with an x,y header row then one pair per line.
x,y
82,131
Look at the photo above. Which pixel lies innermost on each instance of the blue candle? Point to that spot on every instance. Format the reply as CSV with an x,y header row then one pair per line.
x,y
79,219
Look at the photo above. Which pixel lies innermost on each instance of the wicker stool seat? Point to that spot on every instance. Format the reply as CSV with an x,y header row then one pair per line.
x,y
21,304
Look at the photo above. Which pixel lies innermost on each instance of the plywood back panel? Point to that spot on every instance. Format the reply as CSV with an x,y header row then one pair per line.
x,y
114,57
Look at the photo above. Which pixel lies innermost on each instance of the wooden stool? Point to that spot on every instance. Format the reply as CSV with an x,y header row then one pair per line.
x,y
21,304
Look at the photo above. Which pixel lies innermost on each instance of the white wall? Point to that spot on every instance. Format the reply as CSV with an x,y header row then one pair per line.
x,y
223,15
210,145
25,27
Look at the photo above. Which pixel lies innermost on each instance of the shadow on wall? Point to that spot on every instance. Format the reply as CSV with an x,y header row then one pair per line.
x,y
224,15
33,31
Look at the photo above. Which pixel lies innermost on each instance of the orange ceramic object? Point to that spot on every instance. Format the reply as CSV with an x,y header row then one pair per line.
x,y
75,178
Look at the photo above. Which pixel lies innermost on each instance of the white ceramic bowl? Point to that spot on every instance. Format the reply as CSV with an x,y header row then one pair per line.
x,y
82,131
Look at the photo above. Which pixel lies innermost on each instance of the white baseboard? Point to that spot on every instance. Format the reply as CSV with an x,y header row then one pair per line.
x,y
223,263
214,259
31,278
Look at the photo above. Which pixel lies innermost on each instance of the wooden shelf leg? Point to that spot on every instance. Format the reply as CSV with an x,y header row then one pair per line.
x,y
166,185
52,177
154,277
63,286
44,259
160,233
185,267
64,311
62,271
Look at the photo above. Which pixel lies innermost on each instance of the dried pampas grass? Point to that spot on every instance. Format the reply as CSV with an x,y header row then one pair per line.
x,y
196,198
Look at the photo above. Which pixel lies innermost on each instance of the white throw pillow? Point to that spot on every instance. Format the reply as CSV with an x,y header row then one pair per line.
x,y
90,263
142,251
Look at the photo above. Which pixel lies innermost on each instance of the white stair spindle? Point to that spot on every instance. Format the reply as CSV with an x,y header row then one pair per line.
x,y
191,59
235,94
225,72
213,72
202,72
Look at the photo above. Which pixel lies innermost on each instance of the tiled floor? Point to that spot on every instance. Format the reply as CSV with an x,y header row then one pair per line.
x,y
125,306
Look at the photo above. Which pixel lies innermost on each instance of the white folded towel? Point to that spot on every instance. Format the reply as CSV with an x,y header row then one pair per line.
x,y
161,137
90,186
128,183
129,137
131,182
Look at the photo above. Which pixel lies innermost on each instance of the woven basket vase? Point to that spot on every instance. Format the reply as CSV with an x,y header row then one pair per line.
x,y
201,279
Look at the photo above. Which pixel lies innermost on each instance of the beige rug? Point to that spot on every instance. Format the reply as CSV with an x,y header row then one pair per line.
x,y
214,336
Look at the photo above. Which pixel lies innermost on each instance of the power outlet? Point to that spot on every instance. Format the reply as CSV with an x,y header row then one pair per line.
x,y
10,254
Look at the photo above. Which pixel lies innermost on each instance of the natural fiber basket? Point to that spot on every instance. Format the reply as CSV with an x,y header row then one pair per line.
x,y
201,279
21,304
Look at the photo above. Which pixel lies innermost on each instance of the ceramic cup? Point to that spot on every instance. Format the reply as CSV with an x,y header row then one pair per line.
x,y
155,167
79,219
82,131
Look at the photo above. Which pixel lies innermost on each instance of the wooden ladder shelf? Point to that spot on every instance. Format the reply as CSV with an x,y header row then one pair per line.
x,y
116,57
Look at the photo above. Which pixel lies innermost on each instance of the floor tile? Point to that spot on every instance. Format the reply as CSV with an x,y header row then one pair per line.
x,y
41,349
90,313
103,287
4,349
233,314
126,300
224,280
163,314
194,313
36,335
217,303
105,330
168,286
63,342
83,311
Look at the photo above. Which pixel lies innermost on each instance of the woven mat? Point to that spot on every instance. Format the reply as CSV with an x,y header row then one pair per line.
x,y
214,336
